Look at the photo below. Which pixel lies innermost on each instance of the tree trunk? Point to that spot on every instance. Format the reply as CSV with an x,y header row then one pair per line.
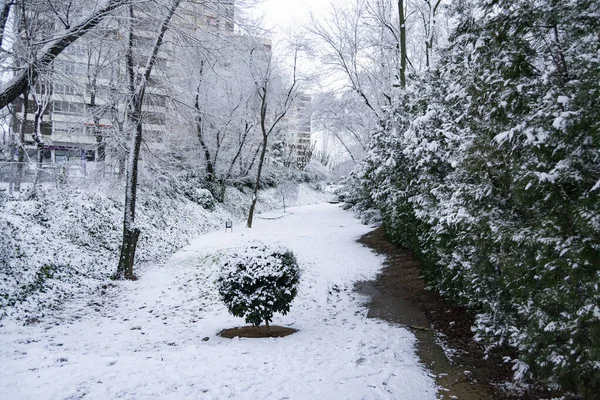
x,y
39,141
402,22
238,154
261,162
101,152
210,170
130,232
264,93
21,143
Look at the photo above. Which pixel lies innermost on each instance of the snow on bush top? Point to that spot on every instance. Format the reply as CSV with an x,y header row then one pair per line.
x,y
257,281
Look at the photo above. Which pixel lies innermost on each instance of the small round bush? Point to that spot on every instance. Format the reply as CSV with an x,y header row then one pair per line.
x,y
257,281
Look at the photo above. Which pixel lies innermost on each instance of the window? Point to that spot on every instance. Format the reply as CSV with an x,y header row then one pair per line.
x,y
65,88
68,107
70,68
46,128
61,127
102,91
102,130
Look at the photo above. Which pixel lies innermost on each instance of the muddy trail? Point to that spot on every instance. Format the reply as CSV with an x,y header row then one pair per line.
x,y
399,295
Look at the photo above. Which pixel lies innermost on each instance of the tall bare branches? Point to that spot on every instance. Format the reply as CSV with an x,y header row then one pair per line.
x,y
26,74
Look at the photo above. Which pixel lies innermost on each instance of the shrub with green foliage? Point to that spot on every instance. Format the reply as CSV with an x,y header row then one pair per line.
x,y
488,168
257,281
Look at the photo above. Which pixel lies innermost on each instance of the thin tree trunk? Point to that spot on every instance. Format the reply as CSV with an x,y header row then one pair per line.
x,y
21,144
210,170
402,22
252,161
131,233
39,141
247,129
261,162
263,93
101,156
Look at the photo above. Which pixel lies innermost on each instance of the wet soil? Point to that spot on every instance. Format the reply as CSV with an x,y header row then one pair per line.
x,y
463,371
252,331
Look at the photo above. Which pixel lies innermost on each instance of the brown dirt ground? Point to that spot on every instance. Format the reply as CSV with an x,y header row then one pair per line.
x,y
252,331
399,290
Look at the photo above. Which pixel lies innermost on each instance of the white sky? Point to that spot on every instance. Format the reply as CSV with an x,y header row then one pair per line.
x,y
281,14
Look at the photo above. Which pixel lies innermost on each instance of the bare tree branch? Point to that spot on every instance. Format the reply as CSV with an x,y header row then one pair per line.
x,y
27,76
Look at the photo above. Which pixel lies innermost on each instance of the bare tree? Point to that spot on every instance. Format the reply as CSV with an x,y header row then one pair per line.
x,y
343,117
41,96
287,190
131,232
370,46
429,15
273,108
42,53
221,111
345,41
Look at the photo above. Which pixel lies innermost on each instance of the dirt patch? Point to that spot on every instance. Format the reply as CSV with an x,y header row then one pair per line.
x,y
252,331
399,295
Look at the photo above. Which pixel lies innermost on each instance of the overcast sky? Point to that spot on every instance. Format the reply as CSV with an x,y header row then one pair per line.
x,y
280,14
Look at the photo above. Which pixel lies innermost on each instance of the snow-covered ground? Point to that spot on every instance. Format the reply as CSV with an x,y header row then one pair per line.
x,y
156,338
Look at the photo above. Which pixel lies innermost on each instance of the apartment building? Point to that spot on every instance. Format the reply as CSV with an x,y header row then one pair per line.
x,y
78,104
297,132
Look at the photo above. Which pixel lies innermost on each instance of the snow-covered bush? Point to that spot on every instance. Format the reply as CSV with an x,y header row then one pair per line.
x,y
487,167
195,187
203,197
258,281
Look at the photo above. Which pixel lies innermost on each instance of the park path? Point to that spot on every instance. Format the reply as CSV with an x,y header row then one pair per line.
x,y
157,337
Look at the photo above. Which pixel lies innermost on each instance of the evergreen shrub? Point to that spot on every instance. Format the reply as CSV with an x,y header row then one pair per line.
x,y
488,168
257,281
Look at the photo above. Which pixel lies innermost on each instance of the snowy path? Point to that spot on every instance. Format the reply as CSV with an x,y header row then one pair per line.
x,y
151,347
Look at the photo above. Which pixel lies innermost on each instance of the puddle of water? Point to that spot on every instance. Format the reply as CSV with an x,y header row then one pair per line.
x,y
453,381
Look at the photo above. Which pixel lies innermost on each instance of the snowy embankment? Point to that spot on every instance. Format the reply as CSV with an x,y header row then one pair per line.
x,y
64,242
156,338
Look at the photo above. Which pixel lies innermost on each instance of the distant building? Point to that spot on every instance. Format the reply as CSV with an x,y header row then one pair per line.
x,y
79,102
296,132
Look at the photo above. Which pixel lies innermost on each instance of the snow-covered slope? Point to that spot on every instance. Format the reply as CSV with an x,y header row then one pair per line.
x,y
144,339
64,242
